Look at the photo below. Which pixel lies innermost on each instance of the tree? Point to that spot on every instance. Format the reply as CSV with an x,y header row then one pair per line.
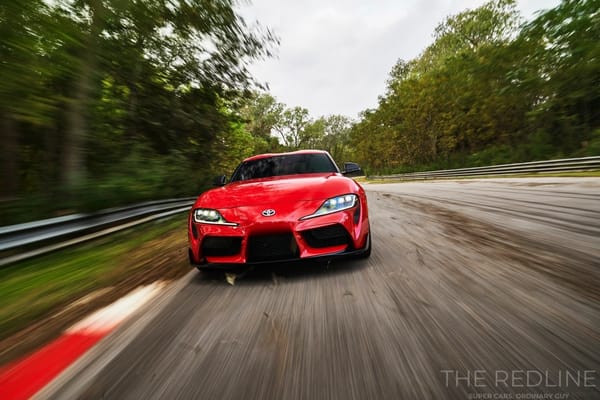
x,y
262,113
336,138
292,127
446,101
186,45
21,88
108,101
562,68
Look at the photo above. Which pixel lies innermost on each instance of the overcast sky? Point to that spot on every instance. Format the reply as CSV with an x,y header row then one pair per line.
x,y
335,55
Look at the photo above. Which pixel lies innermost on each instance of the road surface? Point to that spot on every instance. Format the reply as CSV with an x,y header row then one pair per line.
x,y
474,288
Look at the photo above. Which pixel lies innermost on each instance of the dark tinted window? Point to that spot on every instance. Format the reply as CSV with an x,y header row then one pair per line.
x,y
284,165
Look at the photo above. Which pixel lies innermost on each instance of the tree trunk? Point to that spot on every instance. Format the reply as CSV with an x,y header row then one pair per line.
x,y
73,172
132,131
9,156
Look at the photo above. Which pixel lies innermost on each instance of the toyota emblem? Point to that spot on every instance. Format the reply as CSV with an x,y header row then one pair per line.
x,y
269,212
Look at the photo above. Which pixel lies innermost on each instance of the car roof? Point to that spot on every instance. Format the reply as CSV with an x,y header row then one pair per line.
x,y
266,155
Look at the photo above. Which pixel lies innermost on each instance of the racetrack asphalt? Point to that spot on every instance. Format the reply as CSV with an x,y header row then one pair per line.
x,y
474,288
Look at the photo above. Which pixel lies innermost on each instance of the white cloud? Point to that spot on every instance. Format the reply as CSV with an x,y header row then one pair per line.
x,y
335,55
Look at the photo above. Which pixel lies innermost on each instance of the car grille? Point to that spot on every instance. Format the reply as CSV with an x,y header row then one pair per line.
x,y
221,246
333,235
272,247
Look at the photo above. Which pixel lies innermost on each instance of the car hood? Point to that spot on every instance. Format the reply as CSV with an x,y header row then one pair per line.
x,y
276,190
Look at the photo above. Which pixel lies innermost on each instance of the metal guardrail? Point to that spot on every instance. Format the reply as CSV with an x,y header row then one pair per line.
x,y
562,165
21,241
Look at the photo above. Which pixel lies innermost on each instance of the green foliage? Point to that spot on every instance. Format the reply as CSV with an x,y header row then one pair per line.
x,y
260,114
294,128
105,102
592,146
139,176
490,91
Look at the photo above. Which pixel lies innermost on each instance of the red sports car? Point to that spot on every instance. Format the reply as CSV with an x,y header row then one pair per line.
x,y
281,207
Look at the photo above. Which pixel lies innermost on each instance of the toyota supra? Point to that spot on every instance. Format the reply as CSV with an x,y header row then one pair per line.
x,y
278,208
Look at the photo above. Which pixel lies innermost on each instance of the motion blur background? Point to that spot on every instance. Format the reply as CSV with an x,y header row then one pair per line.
x,y
109,102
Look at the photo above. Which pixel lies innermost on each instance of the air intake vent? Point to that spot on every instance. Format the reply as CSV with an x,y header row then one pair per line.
x,y
221,246
272,247
333,235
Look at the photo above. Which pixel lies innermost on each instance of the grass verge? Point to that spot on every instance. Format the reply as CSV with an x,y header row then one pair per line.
x,y
34,292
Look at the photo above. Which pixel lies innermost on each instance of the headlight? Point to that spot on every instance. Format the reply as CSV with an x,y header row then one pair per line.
x,y
334,204
210,216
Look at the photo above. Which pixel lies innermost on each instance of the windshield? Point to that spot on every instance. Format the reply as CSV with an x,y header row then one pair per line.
x,y
289,164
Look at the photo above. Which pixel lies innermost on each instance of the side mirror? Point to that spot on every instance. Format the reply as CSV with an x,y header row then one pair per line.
x,y
352,169
220,180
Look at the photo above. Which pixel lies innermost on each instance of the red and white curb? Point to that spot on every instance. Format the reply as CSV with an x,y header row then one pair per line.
x,y
25,377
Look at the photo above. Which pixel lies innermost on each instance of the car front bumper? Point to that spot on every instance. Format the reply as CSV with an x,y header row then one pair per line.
x,y
279,239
